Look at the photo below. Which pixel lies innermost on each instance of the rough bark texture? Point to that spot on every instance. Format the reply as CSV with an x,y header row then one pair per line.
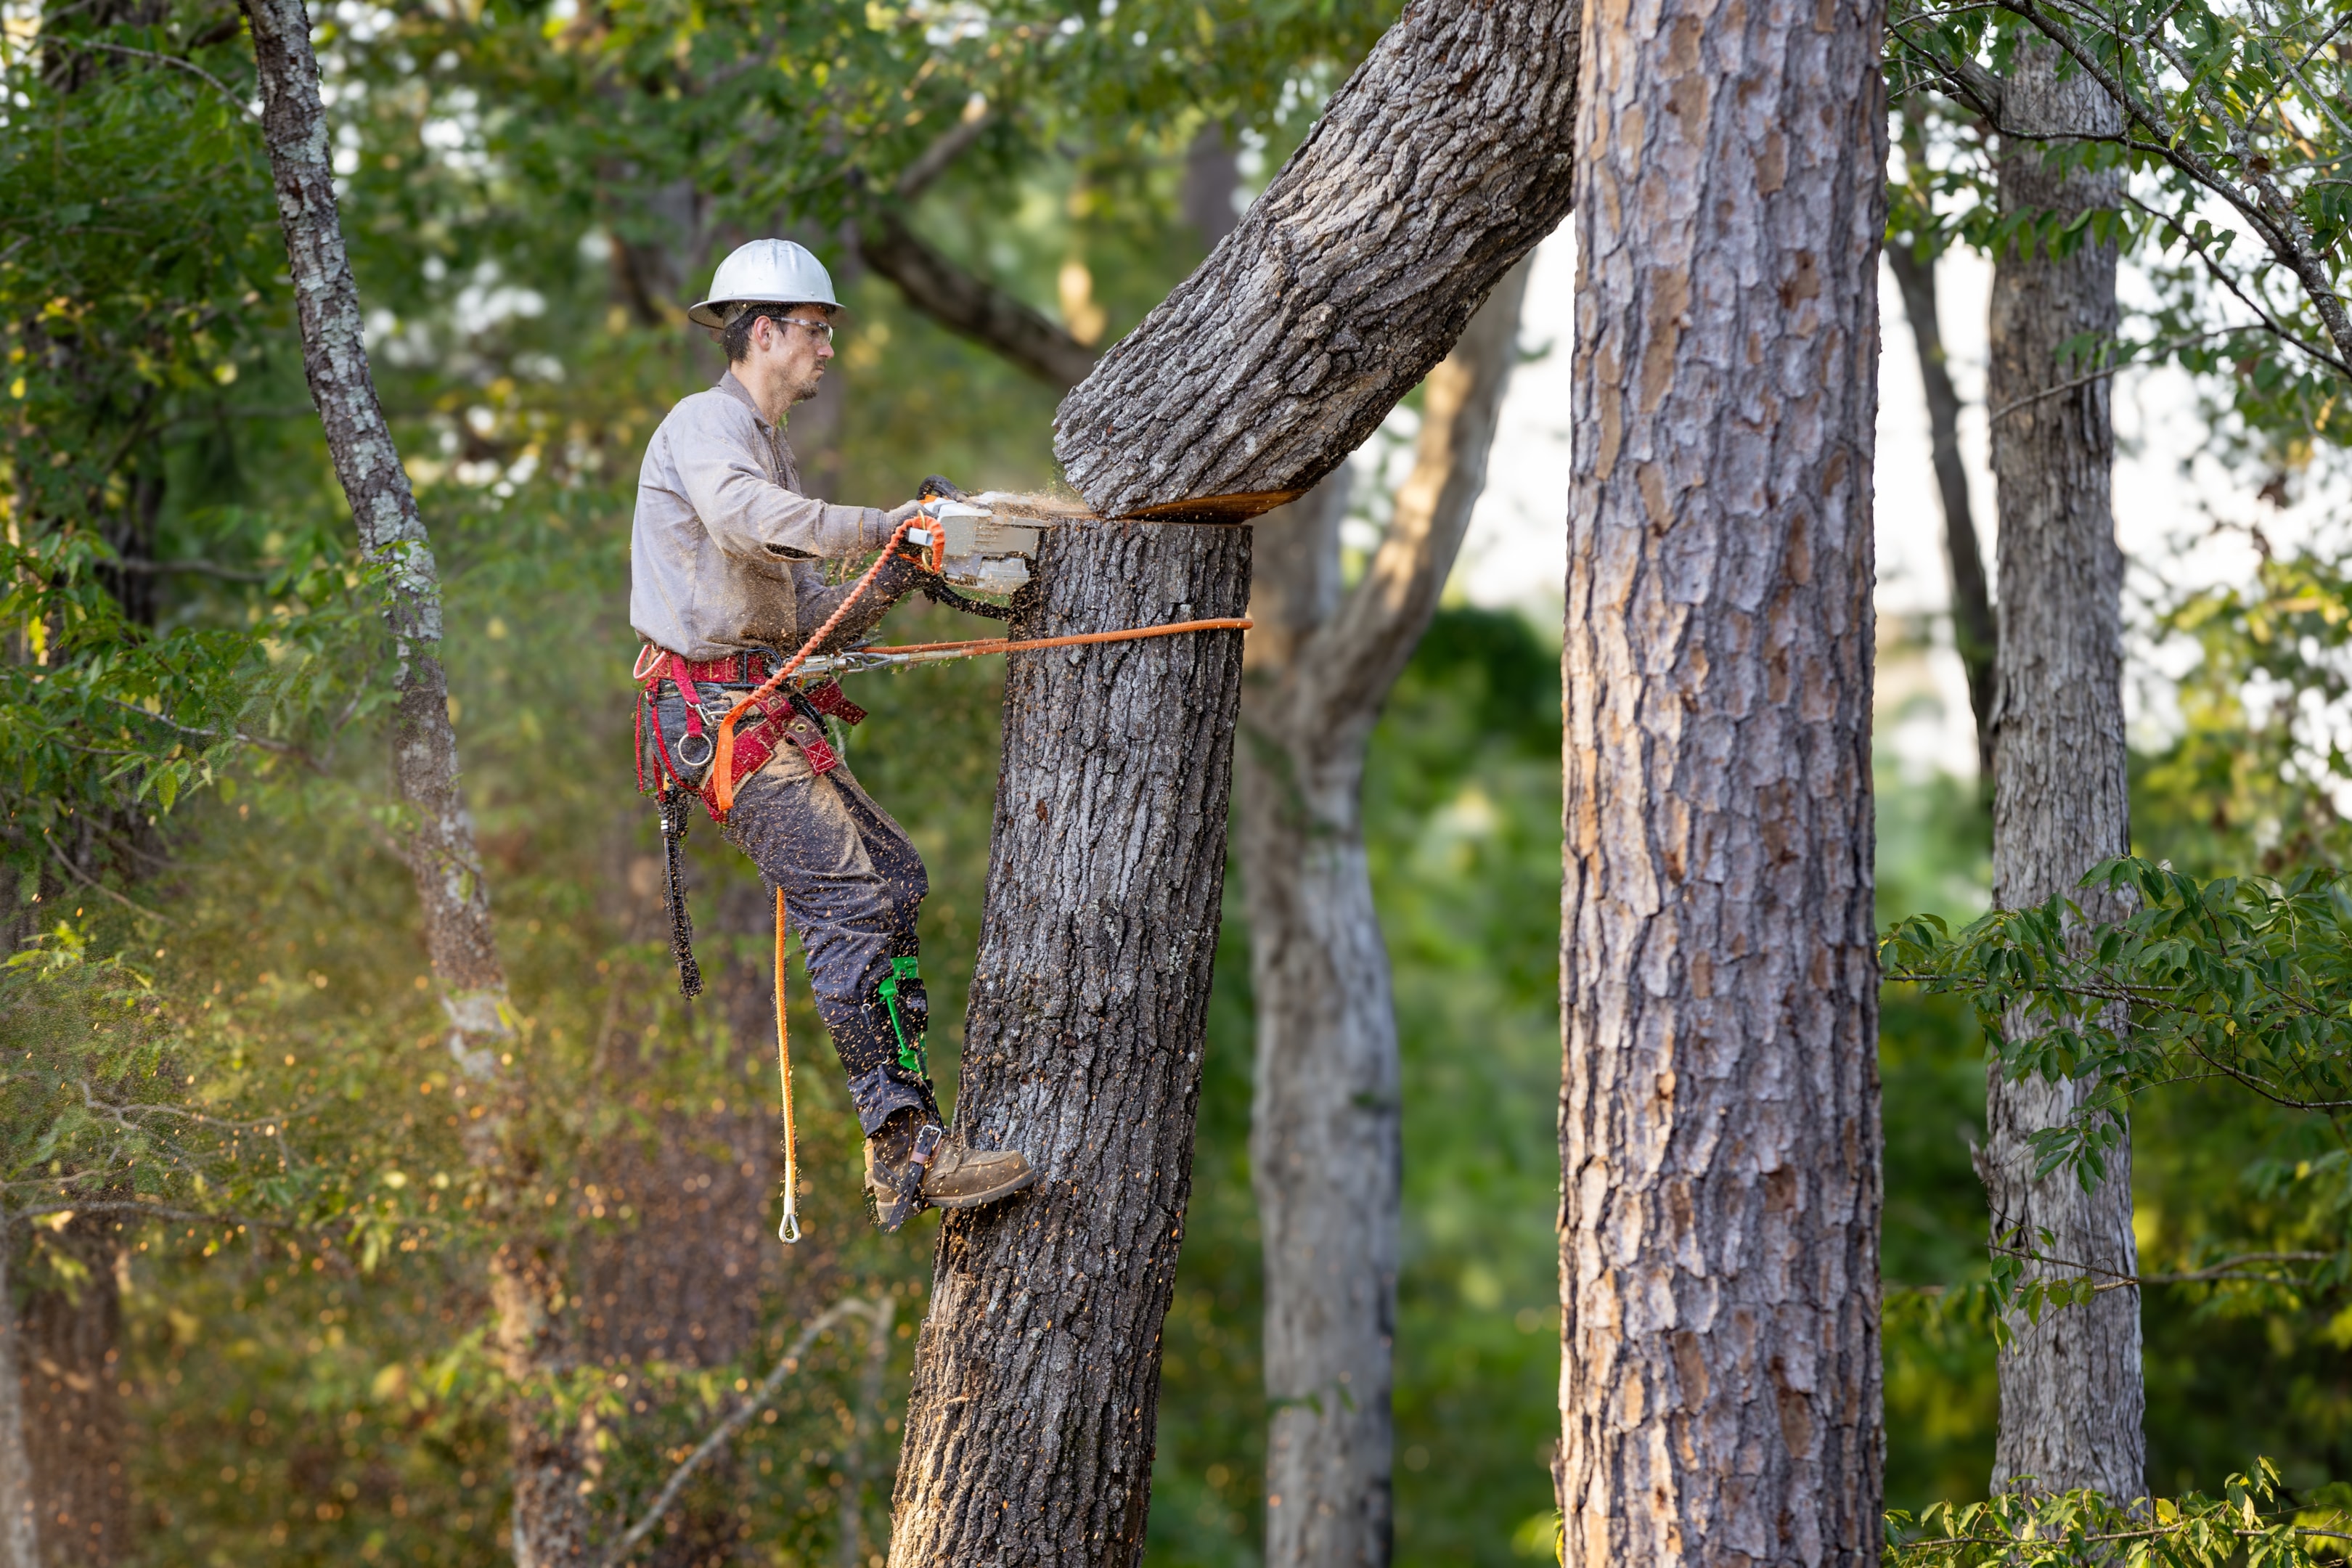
x,y
1973,633
550,1515
1325,1145
68,1353
1719,1132
20,1528
2071,1394
1030,1429
1444,160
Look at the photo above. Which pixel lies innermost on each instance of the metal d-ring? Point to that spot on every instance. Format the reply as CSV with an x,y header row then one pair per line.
x,y
685,754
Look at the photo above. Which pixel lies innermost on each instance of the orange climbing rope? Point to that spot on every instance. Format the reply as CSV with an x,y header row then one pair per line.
x,y
789,1231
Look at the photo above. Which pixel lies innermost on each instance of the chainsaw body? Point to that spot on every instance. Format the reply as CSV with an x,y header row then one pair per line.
x,y
972,547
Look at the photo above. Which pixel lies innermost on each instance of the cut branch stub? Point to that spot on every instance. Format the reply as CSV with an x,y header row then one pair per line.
x,y
1444,160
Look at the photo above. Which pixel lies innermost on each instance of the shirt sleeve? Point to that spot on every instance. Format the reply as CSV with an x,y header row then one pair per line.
x,y
817,601
750,515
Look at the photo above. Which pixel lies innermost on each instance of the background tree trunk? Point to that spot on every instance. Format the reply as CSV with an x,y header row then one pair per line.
x,y
1324,1133
551,1516
1444,160
67,1349
1030,1430
1974,636
1719,1132
20,1525
2071,1394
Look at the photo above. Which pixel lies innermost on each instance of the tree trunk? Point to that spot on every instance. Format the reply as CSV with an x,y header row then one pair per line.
x,y
551,1516
2071,1394
1444,160
20,1528
1719,1131
1029,1434
1030,1429
68,1351
1973,633
1325,1151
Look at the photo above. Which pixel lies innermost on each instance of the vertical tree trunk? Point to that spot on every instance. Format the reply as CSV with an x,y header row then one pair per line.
x,y
550,1513
20,1528
1973,633
2071,1394
1030,1429
68,1350
1325,1151
1720,1133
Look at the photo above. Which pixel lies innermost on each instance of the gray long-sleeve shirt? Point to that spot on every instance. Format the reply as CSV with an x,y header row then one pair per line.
x,y
721,555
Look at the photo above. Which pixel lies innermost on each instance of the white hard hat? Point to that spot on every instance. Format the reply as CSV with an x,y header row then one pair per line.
x,y
766,271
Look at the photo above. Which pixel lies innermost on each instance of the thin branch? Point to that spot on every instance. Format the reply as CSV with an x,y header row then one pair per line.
x,y
2118,367
849,1307
215,82
934,160
79,876
138,568
283,748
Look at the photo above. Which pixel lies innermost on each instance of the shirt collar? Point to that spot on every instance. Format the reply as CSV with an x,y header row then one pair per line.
x,y
741,393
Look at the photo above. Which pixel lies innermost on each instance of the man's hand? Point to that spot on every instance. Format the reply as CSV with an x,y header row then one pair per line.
x,y
897,515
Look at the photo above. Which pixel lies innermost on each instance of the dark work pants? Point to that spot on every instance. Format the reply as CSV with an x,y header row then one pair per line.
x,y
852,884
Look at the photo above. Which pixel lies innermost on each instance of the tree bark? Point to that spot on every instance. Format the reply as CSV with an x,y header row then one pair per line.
x,y
551,1519
1326,1150
1030,1429
68,1351
1444,160
1719,1131
2070,1392
20,1526
1973,631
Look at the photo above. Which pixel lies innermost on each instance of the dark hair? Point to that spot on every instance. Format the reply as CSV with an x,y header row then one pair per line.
x,y
736,335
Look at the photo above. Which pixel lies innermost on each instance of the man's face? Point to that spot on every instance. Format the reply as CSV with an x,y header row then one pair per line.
x,y
789,357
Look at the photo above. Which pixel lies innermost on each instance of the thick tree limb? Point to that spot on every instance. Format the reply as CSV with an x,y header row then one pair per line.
x,y
1347,281
966,304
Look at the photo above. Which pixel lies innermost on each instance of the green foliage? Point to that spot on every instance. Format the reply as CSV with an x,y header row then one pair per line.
x,y
2234,150
2249,1524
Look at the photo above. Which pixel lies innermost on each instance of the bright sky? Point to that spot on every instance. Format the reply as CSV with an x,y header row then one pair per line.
x,y
2169,497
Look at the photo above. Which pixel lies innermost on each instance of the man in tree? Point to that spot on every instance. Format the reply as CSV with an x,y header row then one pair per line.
x,y
724,588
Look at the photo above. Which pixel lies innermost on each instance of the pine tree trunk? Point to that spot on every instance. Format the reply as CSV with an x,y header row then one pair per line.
x,y
1444,160
1030,1429
1326,1150
1719,1132
550,1520
2070,1392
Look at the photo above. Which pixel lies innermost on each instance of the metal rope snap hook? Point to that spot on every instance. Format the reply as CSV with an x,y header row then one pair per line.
x,y
686,753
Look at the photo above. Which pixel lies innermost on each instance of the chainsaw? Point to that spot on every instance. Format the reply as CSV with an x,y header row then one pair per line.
x,y
967,542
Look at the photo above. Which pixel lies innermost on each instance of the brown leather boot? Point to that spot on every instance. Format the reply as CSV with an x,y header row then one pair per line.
x,y
911,1165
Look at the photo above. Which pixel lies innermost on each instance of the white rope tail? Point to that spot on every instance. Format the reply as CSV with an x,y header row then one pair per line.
x,y
789,1231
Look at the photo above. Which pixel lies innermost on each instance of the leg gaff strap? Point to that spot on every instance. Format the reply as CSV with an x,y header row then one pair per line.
x,y
907,973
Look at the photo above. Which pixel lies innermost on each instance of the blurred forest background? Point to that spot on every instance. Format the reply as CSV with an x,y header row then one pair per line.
x,y
247,1285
